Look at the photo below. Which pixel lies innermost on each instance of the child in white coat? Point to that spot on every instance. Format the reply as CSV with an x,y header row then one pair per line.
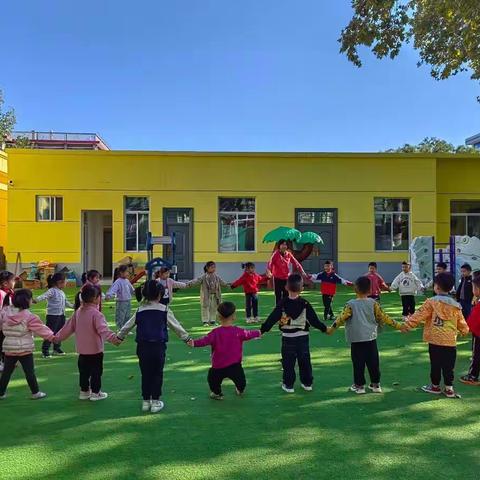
x,y
408,285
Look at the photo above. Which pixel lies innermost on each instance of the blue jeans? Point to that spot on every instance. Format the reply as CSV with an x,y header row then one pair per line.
x,y
296,349
251,304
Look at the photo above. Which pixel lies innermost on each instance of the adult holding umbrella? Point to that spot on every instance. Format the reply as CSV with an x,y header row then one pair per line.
x,y
282,259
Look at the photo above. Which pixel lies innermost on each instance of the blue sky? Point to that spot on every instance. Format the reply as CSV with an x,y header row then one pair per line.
x,y
219,75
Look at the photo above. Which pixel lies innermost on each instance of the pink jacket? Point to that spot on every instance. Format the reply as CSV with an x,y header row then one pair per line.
x,y
279,265
90,328
227,344
19,327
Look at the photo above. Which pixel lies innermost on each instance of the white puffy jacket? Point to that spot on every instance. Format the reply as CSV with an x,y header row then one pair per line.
x,y
19,327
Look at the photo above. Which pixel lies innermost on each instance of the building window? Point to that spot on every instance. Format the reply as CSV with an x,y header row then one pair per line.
x,y
465,218
236,224
315,217
137,220
49,209
392,224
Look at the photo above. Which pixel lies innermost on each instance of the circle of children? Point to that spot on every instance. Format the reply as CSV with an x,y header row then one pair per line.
x,y
442,316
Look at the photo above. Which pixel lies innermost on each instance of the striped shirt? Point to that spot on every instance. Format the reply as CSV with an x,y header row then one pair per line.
x,y
56,301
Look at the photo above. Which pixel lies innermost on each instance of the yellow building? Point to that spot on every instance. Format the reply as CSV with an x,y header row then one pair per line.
x,y
89,209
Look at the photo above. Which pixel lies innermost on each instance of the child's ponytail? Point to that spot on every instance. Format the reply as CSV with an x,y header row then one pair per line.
x,y
53,280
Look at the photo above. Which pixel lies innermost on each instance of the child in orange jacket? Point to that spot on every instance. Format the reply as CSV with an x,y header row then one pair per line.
x,y
443,320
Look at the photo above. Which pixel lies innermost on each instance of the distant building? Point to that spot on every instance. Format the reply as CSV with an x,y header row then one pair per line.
x,y
474,141
58,140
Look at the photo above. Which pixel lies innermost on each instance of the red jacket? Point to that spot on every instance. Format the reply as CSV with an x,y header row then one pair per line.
x,y
473,320
279,265
250,282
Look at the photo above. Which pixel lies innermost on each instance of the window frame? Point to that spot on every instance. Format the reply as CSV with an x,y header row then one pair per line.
x,y
53,210
136,213
464,215
245,214
391,213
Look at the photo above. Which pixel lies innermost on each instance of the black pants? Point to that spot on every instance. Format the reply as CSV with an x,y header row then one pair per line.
x,y
54,323
296,349
90,368
442,361
2,355
251,304
408,305
28,368
466,308
280,291
365,354
474,369
327,303
151,358
234,372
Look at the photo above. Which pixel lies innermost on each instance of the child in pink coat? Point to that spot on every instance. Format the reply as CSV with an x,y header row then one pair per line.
x,y
227,345
91,331
19,325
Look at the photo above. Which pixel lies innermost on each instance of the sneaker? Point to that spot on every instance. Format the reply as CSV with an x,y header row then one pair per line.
x,y
238,392
38,395
256,320
375,388
434,389
205,324
286,389
95,397
358,389
146,404
213,323
470,380
84,395
216,396
3,397
250,320
449,392
59,352
307,388
156,406
46,355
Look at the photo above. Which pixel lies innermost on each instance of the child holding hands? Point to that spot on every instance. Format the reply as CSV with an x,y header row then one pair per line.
x,y
210,292
361,318
152,320
227,343
19,326
250,280
443,320
91,330
294,315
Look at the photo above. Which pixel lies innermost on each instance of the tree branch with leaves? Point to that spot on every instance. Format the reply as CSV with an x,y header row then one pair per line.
x,y
7,121
446,33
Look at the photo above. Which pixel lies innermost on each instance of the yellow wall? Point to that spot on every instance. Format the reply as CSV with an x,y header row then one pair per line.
x,y
457,179
279,182
3,199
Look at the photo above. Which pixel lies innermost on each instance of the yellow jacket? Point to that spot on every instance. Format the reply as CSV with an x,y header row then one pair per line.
x,y
443,320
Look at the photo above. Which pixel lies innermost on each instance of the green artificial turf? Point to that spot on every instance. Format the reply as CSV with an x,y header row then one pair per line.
x,y
327,433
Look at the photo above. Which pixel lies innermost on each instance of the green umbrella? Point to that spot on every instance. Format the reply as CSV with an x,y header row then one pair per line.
x,y
282,233
310,237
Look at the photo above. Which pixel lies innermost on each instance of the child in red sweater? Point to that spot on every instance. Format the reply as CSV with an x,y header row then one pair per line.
x,y
250,280
227,344
473,321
